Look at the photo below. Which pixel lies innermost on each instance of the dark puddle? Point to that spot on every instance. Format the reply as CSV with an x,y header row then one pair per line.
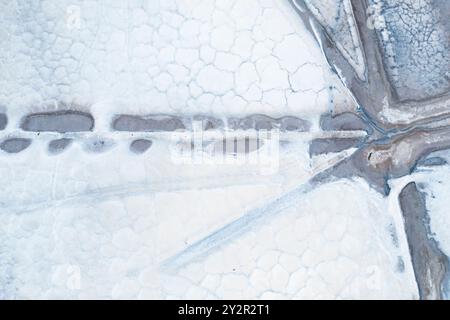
x,y
157,123
140,146
15,145
263,122
3,121
344,121
58,121
59,145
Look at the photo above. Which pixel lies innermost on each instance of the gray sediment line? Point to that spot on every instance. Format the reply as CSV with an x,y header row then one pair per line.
x,y
429,263
327,145
162,123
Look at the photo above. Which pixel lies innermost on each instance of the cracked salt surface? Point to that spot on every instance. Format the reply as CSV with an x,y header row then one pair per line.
x,y
118,236
186,57
104,223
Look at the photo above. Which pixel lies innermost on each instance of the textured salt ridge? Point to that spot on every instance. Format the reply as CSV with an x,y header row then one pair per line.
x,y
414,40
339,23
376,96
429,263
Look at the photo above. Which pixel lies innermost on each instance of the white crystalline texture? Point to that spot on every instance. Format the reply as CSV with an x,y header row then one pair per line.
x,y
110,242
154,57
98,220
415,44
